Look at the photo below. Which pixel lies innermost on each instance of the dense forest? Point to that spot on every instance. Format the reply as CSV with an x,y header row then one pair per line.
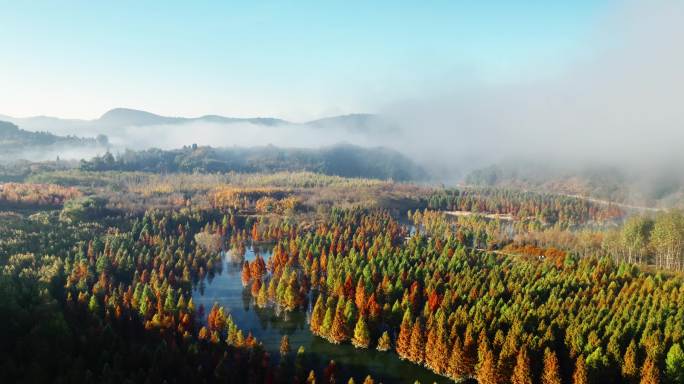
x,y
466,313
548,208
493,285
340,160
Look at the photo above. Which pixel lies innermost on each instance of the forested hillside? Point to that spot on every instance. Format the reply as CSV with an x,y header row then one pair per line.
x,y
13,139
341,160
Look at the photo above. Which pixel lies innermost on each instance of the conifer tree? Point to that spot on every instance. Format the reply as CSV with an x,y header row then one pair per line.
x,y
457,364
630,369
360,296
245,274
650,373
169,302
93,305
361,337
486,367
327,323
339,332
674,364
262,297
508,356
180,305
580,374
203,333
430,355
522,373
144,307
290,298
317,315
417,343
469,351
404,339
384,342
311,379
440,350
551,373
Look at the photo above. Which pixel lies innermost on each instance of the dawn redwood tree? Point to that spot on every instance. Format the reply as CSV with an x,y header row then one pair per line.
x,y
93,305
203,334
262,297
457,361
404,339
417,343
290,299
630,369
245,275
440,352
649,372
486,368
317,316
508,356
580,374
674,364
551,373
361,337
384,342
339,332
255,233
311,379
429,348
360,296
469,351
522,373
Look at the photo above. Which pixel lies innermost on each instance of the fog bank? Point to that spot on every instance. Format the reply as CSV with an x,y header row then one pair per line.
x,y
620,106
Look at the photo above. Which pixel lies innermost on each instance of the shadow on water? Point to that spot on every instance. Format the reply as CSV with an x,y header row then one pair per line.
x,y
269,325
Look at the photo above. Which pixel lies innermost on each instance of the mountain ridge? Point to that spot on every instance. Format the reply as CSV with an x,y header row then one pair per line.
x,y
121,116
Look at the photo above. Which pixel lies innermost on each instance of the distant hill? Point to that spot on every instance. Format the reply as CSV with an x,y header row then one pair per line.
x,y
126,117
341,160
359,122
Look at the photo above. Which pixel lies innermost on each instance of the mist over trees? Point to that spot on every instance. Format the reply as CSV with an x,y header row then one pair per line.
x,y
340,160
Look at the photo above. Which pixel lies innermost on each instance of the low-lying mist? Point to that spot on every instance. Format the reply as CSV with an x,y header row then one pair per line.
x,y
227,135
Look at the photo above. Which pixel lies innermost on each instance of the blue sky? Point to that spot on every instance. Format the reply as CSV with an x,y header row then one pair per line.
x,y
297,60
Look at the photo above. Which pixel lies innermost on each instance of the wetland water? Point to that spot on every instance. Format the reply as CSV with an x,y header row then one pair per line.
x,y
269,327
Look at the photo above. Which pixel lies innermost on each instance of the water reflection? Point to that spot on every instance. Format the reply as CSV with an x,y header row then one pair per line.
x,y
269,324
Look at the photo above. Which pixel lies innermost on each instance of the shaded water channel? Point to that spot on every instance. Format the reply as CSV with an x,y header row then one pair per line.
x,y
269,326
